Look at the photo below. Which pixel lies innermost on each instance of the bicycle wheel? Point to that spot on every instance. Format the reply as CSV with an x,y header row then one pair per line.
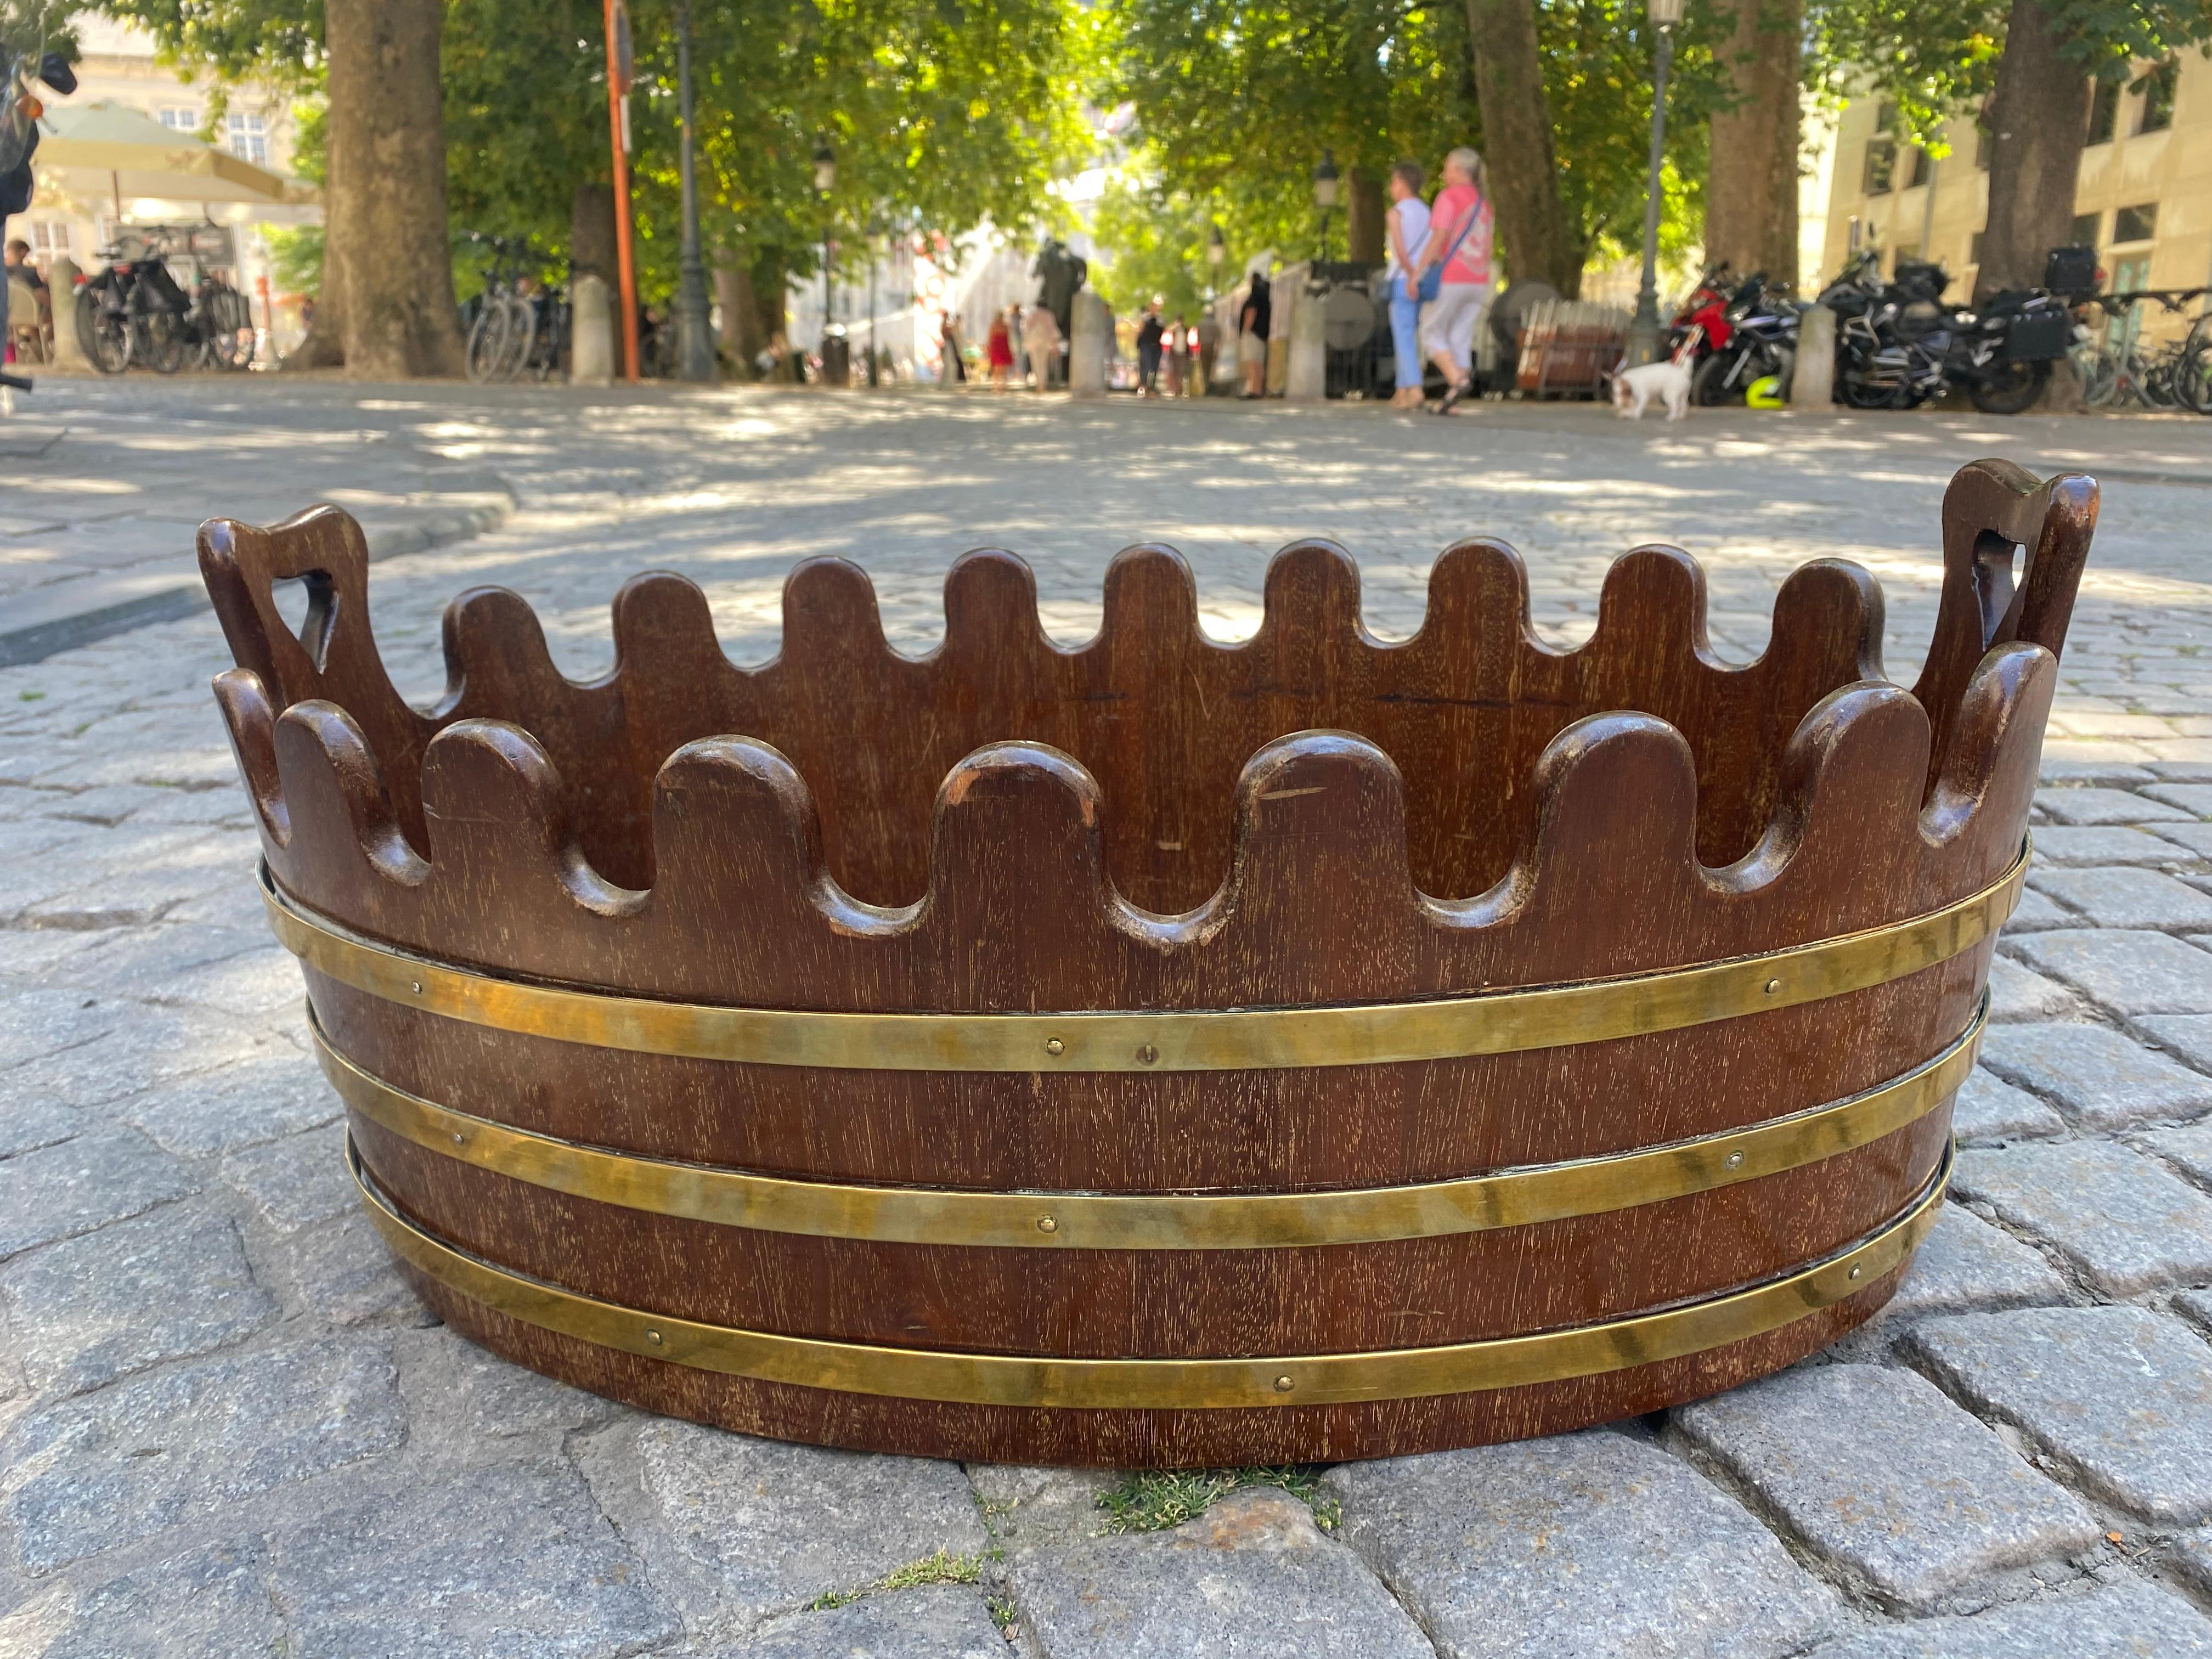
x,y
2156,384
488,341
521,335
157,340
228,327
2192,378
105,342
2099,375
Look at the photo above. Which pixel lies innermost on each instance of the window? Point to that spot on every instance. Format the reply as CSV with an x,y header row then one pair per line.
x,y
179,118
1981,147
2104,111
2136,224
1922,166
246,136
2158,97
48,239
2082,233
1880,163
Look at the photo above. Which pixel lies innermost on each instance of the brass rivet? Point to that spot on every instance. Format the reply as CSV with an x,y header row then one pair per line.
x,y
1046,1224
1283,1385
1733,1161
457,1139
1854,1273
1053,1045
1772,986
415,986
654,1337
1147,1054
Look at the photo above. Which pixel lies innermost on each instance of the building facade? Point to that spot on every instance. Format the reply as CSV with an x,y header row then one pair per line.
x,y
2143,200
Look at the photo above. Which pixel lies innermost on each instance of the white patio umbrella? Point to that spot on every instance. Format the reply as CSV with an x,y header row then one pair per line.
x,y
104,150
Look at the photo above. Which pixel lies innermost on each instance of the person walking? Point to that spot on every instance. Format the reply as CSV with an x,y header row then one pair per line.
x,y
1253,322
1460,235
951,369
1206,351
1179,355
1150,333
1040,334
1408,227
999,351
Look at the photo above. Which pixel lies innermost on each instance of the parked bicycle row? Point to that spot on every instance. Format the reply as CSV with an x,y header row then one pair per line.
x,y
1900,342
134,311
520,326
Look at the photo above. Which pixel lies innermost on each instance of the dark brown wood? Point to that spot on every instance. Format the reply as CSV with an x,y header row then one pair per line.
x,y
1154,821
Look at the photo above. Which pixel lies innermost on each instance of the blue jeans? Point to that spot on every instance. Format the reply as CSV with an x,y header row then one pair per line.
x,y
1405,327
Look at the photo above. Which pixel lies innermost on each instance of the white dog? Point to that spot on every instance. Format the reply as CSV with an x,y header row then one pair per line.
x,y
1632,388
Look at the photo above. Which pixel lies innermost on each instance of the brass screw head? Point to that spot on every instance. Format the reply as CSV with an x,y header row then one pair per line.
x,y
1772,986
1147,1054
458,1139
1854,1273
1733,1161
1053,1046
654,1337
1048,1224
415,986
1283,1385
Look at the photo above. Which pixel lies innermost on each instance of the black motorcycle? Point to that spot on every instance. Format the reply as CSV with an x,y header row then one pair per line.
x,y
133,310
1762,341
1898,344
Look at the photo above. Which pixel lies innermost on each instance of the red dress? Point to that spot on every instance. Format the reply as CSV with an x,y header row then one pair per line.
x,y
1002,345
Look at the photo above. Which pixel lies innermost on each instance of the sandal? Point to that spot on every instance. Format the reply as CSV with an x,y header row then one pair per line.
x,y
1459,390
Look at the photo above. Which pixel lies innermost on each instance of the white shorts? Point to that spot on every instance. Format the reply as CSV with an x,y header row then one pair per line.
x,y
1448,321
1251,350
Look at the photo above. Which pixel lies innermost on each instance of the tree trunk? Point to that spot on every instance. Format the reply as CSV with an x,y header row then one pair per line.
x,y
2038,119
325,345
1516,127
591,234
1751,206
771,277
385,203
1364,207
743,337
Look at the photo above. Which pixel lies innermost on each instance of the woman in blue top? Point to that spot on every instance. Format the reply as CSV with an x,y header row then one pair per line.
x,y
1408,227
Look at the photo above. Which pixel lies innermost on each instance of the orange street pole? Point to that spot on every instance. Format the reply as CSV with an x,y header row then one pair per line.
x,y
618,66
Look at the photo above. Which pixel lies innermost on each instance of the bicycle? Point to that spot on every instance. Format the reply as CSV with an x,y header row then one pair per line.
x,y
504,333
2193,375
222,321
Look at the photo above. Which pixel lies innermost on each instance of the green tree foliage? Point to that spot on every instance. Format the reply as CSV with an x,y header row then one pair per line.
x,y
1236,100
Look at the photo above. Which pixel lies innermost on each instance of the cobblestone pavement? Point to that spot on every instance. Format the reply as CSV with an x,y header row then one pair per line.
x,y
227,1428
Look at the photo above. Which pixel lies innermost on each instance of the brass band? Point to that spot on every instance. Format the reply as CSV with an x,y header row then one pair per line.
x,y
1168,1384
1062,1220
1229,1039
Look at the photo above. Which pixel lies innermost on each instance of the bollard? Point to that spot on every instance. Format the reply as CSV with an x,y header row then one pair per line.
x,y
1813,380
1306,380
61,289
591,360
1086,354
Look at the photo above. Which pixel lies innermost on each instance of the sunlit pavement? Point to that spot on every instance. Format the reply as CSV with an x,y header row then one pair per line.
x,y
226,1426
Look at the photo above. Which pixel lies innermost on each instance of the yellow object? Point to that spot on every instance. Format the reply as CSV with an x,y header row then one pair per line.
x,y
1764,394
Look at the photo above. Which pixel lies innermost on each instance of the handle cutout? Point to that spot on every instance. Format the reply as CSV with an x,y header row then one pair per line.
x,y
307,605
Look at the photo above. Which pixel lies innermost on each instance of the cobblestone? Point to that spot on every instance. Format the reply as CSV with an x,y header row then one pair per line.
x,y
2132,1621
2118,1397
1253,1577
2194,799
2129,972
1879,1473
2102,1079
2127,897
2125,1224
168,1285
107,1468
1593,1544
1988,1109
353,1479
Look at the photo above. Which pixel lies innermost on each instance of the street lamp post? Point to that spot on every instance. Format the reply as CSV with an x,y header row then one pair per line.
x,y
1324,185
693,326
875,261
1644,340
825,180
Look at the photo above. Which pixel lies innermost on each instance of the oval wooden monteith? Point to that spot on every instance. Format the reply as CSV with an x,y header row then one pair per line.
x,y
742,1220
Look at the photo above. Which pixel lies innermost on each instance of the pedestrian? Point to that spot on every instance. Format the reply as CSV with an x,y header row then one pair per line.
x,y
1460,230
1408,227
1207,352
1253,322
1150,333
951,369
1000,352
1179,344
1040,333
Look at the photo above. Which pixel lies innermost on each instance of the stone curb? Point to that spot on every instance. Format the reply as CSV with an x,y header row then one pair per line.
x,y
152,600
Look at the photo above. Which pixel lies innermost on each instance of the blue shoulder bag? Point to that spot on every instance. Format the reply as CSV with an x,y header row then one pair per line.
x,y
1432,279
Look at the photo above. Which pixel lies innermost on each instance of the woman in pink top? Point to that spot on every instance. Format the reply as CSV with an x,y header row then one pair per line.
x,y
1460,232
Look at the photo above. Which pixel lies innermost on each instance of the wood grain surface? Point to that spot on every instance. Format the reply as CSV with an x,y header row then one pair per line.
x,y
1155,821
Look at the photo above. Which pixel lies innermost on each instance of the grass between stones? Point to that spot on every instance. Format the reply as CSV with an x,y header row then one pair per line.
x,y
941,1568
1153,1500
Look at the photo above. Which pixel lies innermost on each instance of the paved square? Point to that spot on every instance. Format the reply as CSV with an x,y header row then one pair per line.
x,y
227,1426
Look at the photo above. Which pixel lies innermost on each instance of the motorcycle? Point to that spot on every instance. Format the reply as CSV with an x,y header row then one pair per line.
x,y
1898,344
1701,324
1761,341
